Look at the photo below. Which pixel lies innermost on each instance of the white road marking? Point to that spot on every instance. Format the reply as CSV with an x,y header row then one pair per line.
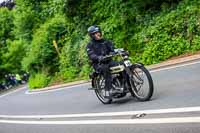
x,y
116,121
176,66
13,92
119,121
125,113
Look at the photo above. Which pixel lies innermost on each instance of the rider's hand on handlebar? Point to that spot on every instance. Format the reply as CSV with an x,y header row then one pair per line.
x,y
112,53
100,58
126,53
104,58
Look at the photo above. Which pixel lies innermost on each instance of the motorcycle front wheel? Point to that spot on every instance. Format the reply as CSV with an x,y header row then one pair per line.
x,y
141,83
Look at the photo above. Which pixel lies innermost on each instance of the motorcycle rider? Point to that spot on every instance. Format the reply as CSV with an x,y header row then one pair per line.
x,y
97,48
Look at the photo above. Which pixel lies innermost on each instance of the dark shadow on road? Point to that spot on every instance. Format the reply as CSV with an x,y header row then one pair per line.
x,y
128,99
123,100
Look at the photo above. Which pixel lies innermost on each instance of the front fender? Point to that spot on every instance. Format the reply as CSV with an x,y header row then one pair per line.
x,y
135,65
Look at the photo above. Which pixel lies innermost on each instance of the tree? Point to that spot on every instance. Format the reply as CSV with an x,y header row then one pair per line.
x,y
6,26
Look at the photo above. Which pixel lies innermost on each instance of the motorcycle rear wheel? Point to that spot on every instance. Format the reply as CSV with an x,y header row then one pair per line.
x,y
100,90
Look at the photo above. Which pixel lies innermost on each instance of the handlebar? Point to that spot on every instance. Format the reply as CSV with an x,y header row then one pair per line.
x,y
110,55
116,52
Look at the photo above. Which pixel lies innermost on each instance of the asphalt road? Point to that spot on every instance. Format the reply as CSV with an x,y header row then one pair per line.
x,y
174,108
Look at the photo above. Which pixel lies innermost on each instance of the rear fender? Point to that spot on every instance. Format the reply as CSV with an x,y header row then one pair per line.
x,y
93,83
93,77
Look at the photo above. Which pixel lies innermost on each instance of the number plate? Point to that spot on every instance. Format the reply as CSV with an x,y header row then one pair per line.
x,y
127,63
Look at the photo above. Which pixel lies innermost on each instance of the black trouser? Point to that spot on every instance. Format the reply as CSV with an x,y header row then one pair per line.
x,y
104,69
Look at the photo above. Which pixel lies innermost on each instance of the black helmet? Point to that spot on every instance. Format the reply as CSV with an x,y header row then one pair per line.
x,y
93,29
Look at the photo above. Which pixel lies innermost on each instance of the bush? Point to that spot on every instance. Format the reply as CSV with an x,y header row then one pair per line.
x,y
170,33
16,52
195,46
38,80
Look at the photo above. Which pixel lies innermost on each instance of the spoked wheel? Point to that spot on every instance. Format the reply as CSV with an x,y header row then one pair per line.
x,y
100,90
141,83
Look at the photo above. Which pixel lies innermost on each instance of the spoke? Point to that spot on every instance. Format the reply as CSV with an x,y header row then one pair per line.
x,y
139,77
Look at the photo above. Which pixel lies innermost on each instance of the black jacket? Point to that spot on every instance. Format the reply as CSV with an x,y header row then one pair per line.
x,y
98,48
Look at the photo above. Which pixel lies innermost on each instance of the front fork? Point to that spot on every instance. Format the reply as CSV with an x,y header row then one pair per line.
x,y
129,74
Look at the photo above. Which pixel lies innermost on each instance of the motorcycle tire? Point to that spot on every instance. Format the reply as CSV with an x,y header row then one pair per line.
x,y
141,79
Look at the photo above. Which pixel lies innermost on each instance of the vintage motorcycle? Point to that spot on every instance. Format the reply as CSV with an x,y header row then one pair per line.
x,y
126,78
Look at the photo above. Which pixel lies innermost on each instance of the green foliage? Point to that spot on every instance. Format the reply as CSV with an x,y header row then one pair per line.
x,y
42,54
6,27
84,65
24,24
38,80
51,8
73,59
157,51
171,33
195,43
69,59
151,30
30,14
12,59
